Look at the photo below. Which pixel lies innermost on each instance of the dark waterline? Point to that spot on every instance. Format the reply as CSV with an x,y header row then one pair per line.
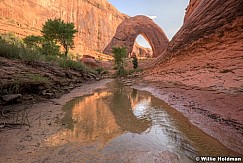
x,y
126,123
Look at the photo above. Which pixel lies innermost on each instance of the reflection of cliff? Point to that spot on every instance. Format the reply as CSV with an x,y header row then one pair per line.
x,y
92,120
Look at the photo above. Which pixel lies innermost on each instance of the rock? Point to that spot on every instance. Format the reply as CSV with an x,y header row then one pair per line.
x,y
191,8
97,79
26,138
11,98
128,84
43,92
129,29
90,61
47,94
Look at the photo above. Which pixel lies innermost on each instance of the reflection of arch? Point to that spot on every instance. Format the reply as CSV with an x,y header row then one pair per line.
x,y
122,110
129,29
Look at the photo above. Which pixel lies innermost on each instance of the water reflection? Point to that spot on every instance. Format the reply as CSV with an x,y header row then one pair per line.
x,y
121,118
90,119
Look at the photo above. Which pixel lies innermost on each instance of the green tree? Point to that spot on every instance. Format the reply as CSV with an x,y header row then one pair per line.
x,y
32,41
120,54
44,46
60,32
135,62
50,48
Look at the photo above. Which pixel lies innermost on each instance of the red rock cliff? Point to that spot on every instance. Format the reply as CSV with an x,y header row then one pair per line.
x,y
208,49
96,20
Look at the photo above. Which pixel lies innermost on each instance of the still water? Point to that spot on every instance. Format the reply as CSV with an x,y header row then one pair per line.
x,y
134,126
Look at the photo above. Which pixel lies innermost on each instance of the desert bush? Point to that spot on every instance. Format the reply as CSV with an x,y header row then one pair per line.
x,y
74,65
12,49
101,71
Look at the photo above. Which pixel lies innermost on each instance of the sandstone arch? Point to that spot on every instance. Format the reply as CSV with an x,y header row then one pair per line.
x,y
130,28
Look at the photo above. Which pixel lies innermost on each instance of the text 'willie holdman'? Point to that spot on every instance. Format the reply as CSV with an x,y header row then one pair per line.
x,y
218,159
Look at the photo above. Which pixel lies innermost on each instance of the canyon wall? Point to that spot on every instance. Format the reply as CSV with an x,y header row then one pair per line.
x,y
202,69
140,51
207,26
96,20
208,49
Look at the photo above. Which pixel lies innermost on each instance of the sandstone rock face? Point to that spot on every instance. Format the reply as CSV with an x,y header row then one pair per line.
x,y
96,20
129,29
205,59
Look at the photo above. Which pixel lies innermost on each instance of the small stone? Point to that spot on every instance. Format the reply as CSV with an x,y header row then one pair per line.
x,y
12,97
43,92
26,138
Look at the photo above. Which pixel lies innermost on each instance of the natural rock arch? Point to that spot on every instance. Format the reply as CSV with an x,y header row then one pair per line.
x,y
130,28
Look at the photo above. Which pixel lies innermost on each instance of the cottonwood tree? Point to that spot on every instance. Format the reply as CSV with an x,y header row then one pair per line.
x,y
44,46
60,32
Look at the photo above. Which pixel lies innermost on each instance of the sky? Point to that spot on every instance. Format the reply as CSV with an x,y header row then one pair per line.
x,y
168,14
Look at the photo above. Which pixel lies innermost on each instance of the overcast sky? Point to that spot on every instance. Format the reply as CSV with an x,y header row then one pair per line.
x,y
168,14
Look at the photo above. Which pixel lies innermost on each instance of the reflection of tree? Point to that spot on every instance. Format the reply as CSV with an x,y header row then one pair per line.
x,y
122,110
134,93
68,108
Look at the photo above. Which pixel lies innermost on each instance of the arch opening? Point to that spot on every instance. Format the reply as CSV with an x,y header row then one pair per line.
x,y
142,47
